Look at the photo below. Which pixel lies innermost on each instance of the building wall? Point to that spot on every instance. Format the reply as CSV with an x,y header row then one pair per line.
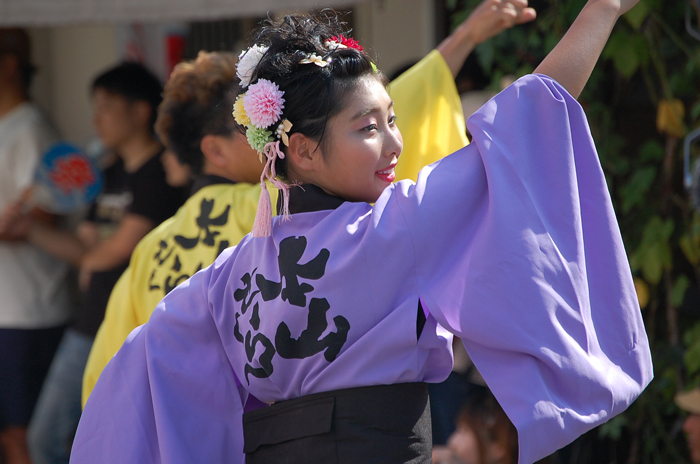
x,y
398,32
68,58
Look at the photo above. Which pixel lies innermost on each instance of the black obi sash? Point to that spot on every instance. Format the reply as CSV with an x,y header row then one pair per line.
x,y
385,424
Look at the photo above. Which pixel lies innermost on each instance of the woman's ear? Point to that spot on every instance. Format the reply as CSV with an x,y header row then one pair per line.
x,y
303,152
213,151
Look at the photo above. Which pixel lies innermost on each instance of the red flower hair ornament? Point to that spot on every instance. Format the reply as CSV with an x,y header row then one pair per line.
x,y
340,41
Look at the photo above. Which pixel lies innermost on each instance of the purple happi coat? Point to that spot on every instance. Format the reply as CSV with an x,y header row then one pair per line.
x,y
510,243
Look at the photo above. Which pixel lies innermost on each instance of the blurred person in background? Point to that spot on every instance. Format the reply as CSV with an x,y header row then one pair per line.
x,y
135,199
484,434
35,304
689,402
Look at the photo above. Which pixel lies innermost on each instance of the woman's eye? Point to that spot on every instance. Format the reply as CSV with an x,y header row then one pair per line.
x,y
392,120
371,127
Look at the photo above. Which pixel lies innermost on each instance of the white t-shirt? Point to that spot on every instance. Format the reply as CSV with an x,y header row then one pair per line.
x,y
33,291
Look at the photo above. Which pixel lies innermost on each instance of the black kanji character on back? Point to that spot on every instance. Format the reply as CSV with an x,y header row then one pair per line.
x,y
160,255
266,368
244,294
204,222
308,343
291,251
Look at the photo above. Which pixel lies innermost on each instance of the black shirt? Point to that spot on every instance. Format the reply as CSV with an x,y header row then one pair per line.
x,y
143,192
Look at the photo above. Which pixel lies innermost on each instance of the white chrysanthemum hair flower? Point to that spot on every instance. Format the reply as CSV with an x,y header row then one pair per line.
x,y
247,62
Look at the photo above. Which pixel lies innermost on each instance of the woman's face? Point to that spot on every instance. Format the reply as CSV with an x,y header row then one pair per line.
x,y
362,147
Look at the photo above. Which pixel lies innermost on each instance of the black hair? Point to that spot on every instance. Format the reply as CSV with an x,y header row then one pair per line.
x,y
133,82
312,94
197,101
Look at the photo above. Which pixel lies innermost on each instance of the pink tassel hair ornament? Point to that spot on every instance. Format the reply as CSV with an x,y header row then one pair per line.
x,y
263,218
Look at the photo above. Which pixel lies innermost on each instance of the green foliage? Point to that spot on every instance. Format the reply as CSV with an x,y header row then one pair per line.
x,y
690,241
636,189
691,358
613,428
637,15
649,58
679,289
653,256
628,51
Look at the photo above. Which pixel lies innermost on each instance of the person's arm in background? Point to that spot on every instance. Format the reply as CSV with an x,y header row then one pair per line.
x,y
427,105
39,228
487,20
80,248
115,250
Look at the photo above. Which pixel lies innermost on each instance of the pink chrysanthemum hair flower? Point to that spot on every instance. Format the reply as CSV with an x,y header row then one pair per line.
x,y
263,103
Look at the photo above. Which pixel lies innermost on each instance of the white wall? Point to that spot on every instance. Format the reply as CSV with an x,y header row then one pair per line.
x,y
68,58
397,31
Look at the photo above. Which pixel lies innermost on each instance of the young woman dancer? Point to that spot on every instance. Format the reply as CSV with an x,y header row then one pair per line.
x,y
310,341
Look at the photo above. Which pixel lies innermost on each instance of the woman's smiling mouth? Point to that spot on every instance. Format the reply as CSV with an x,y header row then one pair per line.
x,y
388,174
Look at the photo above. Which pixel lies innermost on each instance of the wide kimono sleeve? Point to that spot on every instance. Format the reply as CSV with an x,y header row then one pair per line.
x,y
518,252
170,394
428,113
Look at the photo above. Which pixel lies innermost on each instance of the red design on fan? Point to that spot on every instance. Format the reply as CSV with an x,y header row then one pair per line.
x,y
72,173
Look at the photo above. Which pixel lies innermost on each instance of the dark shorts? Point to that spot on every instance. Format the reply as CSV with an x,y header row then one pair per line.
x,y
388,424
25,357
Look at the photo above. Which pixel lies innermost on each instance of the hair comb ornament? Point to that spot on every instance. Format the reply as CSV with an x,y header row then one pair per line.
x,y
317,60
283,130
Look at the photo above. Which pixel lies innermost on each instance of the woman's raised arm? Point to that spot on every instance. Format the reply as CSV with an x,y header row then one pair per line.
x,y
571,62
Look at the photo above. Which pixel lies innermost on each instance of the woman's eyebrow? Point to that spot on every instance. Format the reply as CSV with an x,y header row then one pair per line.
x,y
367,111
